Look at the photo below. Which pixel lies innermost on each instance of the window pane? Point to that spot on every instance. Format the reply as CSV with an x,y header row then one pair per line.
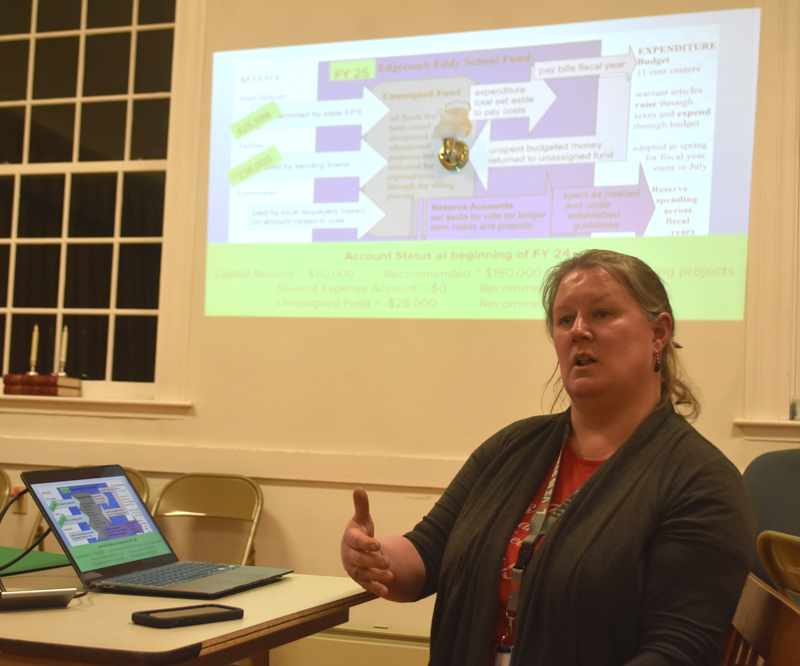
x,y
139,276
55,72
143,204
102,131
36,276
56,133
91,205
106,67
58,15
153,61
15,16
14,72
109,13
88,342
12,132
150,129
88,276
52,133
4,255
6,205
156,11
134,349
41,206
21,334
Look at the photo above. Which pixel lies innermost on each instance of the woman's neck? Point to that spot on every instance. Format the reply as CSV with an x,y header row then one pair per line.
x,y
598,435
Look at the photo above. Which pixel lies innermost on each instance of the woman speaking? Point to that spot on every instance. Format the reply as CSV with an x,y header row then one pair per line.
x,y
610,534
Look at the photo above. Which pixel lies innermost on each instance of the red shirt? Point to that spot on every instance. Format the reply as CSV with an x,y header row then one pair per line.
x,y
572,474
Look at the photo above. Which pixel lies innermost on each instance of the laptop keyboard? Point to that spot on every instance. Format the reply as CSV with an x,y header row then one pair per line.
x,y
172,574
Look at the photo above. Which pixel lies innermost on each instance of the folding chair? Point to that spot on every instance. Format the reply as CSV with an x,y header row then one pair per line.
x,y
210,517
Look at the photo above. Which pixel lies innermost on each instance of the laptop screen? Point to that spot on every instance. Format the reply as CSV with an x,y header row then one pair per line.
x,y
101,521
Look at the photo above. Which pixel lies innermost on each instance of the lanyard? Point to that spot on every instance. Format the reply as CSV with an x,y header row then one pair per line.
x,y
540,524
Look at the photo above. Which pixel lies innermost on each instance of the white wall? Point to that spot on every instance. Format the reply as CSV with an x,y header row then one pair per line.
x,y
312,408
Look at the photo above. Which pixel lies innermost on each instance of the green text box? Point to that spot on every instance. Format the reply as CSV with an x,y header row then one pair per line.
x,y
704,276
350,70
255,165
118,551
258,118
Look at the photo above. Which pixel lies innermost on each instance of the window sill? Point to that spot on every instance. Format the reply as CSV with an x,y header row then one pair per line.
x,y
131,409
776,430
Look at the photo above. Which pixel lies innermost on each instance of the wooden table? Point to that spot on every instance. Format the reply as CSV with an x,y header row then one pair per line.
x,y
97,628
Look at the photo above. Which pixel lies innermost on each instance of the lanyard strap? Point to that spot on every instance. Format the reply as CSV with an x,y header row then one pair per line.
x,y
540,524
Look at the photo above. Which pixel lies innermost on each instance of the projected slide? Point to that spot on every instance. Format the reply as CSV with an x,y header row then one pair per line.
x,y
90,512
327,197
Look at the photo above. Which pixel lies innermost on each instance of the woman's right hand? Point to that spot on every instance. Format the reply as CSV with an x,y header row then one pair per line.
x,y
362,557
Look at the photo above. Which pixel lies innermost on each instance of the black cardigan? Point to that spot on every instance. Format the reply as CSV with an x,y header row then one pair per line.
x,y
644,568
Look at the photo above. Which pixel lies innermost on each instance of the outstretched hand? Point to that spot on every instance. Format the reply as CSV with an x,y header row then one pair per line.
x,y
362,557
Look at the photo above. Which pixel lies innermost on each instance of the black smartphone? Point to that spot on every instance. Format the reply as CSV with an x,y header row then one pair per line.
x,y
183,616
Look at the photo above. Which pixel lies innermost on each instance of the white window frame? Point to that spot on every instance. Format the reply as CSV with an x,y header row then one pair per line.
x,y
167,396
772,349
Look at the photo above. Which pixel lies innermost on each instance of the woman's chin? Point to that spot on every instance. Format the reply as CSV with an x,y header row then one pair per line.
x,y
585,387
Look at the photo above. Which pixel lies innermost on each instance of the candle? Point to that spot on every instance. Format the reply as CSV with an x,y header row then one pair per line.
x,y
35,344
64,341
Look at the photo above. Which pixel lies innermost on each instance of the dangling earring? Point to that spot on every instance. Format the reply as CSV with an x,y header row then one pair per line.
x,y
658,363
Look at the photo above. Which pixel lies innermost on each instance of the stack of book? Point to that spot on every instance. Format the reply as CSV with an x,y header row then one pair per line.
x,y
53,385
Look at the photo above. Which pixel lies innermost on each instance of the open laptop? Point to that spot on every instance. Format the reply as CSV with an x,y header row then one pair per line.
x,y
114,544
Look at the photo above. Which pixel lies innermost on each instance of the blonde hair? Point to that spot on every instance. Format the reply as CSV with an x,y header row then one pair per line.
x,y
646,287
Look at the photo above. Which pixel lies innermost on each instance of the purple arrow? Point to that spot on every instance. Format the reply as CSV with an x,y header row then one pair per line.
x,y
581,211
494,218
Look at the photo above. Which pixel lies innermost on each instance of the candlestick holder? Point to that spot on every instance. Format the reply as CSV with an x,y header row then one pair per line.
x,y
61,371
32,371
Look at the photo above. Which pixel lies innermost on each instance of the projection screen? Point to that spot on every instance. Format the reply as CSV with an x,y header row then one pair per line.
x,y
327,197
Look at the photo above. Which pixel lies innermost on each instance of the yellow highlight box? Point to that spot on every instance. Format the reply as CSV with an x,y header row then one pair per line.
x,y
350,70
255,165
258,118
